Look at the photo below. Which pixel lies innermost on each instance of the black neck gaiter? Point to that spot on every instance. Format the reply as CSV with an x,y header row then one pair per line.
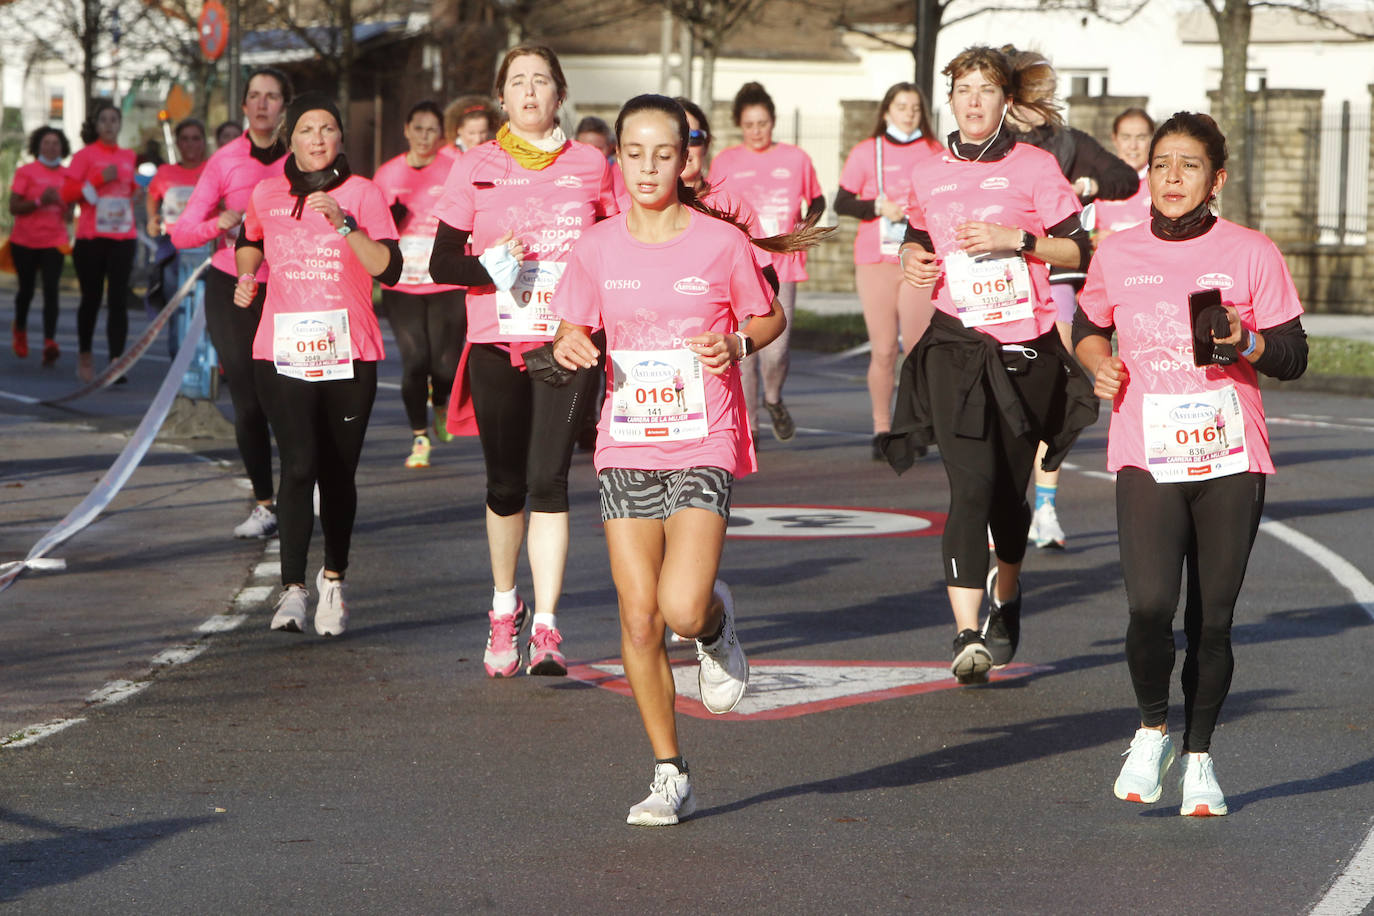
x,y
1190,225
303,184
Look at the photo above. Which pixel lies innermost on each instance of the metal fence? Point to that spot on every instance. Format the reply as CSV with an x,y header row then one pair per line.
x,y
1343,176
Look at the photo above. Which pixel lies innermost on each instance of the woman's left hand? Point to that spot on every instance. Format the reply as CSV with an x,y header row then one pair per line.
x,y
977,237
1236,330
327,207
715,350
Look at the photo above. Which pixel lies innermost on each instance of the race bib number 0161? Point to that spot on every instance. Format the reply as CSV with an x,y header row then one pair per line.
x,y
989,290
1194,436
523,310
313,346
657,395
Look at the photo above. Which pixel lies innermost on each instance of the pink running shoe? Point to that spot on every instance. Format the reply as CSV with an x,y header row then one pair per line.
x,y
545,656
502,658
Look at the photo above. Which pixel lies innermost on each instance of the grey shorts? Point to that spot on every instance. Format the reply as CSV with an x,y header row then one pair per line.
x,y
628,493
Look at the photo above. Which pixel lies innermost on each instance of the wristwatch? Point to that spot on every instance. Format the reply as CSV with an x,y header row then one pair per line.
x,y
1027,241
349,225
746,346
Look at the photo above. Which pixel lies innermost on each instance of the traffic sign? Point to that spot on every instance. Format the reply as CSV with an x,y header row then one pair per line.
x,y
214,29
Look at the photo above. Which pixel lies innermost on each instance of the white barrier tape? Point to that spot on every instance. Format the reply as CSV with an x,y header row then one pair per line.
x,y
124,466
122,365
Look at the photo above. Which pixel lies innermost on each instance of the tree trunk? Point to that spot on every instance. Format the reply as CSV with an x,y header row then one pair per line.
x,y
706,98
1233,33
347,53
90,46
928,14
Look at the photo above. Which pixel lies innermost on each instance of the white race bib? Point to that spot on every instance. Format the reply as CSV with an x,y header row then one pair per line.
x,y
890,236
174,203
1194,436
523,310
415,251
313,346
114,215
657,395
988,289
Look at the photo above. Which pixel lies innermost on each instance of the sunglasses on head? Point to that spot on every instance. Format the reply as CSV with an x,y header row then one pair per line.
x,y
696,138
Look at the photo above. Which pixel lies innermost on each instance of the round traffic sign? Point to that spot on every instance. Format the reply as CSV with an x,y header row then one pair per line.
x,y
214,29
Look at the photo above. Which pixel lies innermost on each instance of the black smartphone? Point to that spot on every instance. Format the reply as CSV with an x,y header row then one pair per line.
x,y
1198,300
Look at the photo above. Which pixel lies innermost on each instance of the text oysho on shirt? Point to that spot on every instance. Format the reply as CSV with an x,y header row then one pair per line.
x,y
489,194
45,227
652,297
418,190
313,267
777,183
227,182
1025,190
1140,284
860,177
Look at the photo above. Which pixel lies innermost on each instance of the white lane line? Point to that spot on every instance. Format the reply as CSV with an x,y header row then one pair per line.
x,y
1340,569
21,398
36,733
177,655
251,596
223,623
1322,424
117,692
270,569
1353,888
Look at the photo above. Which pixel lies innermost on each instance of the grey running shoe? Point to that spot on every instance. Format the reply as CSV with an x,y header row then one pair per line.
x,y
783,427
722,669
670,799
972,661
261,523
290,611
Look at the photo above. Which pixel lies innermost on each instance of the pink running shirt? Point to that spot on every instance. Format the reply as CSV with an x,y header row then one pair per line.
x,y
226,184
115,199
1025,189
860,177
419,190
45,227
172,185
489,194
777,183
651,297
1140,284
313,267
1116,215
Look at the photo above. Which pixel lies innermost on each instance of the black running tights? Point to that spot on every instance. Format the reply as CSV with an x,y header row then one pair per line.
x,y
1210,524
231,331
29,265
103,264
319,428
429,331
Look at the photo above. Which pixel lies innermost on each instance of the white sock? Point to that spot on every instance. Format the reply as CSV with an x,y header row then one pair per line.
x,y
546,620
504,603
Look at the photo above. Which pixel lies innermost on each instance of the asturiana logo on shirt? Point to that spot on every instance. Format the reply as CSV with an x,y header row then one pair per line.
x,y
568,181
1145,280
692,286
621,284
781,174
996,183
1215,281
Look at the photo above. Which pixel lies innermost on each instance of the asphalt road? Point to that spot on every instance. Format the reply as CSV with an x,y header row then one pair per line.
x,y
383,772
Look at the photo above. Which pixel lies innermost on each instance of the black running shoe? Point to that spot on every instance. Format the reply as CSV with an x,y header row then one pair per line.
x,y
1002,630
972,661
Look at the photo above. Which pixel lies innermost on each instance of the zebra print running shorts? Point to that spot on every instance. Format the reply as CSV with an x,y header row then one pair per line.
x,y
629,493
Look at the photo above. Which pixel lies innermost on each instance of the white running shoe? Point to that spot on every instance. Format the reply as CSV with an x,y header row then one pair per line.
x,y
331,614
670,799
1147,760
1201,795
722,669
1045,530
261,523
290,612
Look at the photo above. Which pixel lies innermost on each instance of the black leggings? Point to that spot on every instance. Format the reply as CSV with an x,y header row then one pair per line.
x,y
103,264
429,331
988,476
319,428
1211,524
231,331
28,264
527,430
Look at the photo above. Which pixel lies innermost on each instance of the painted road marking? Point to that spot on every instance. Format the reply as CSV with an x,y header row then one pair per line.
x,y
831,522
787,689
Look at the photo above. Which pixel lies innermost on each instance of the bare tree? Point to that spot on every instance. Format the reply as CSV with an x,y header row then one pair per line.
x,y
711,22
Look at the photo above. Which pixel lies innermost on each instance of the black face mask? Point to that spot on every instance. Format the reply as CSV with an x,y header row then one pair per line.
x,y
1188,226
990,150
303,184
267,154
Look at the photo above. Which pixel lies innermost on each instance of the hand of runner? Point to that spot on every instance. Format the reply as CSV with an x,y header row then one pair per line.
x,y
49,197
244,290
326,206
920,268
574,349
892,211
228,219
977,237
109,173
1111,376
516,247
714,351
1236,333
154,226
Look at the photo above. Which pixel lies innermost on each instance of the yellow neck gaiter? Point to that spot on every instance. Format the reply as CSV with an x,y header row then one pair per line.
x,y
526,153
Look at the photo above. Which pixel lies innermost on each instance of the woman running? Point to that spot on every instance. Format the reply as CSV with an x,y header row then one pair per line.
x,y
990,378
167,195
523,201
327,233
1131,133
427,318
1184,494
101,178
676,287
468,123
39,239
874,187
775,179
213,216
